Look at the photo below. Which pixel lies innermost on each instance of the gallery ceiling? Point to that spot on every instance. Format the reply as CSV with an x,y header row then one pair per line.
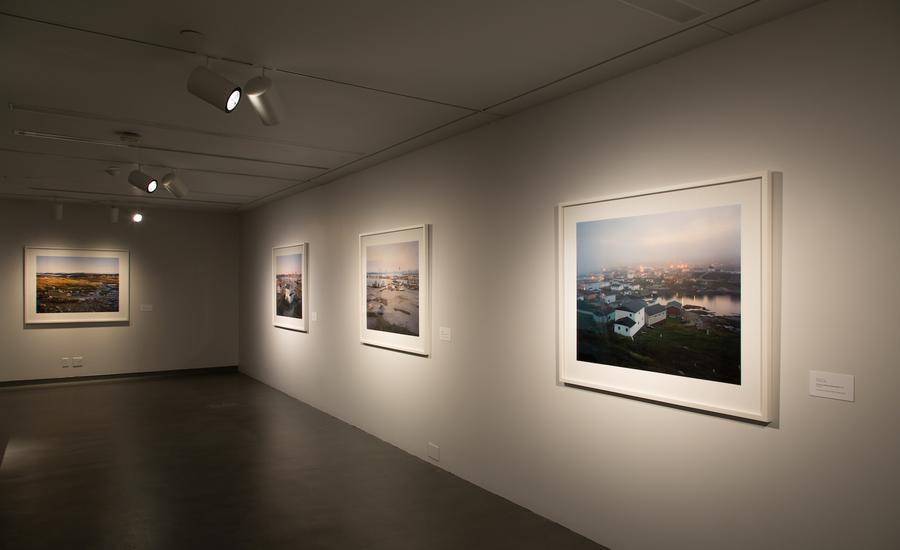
x,y
361,82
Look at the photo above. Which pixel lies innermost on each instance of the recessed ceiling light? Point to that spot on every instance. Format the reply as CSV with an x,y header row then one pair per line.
x,y
137,217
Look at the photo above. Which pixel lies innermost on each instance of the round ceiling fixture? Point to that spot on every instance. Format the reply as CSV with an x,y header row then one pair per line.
x,y
127,136
191,34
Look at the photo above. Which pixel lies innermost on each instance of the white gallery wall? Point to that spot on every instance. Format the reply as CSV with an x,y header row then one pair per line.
x,y
816,96
183,263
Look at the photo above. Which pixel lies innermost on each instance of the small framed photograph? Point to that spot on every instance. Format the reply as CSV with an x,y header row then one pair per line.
x,y
394,289
69,285
289,286
666,295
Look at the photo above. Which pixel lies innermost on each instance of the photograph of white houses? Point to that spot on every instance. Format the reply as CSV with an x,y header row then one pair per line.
x,y
662,293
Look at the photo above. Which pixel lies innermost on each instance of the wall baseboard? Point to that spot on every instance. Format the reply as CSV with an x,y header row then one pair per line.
x,y
113,377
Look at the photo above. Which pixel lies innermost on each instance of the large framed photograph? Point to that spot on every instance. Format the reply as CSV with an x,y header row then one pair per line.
x,y
666,295
395,289
289,286
67,285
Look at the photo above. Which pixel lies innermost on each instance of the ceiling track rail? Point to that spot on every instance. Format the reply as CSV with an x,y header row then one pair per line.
x,y
144,200
80,115
137,146
150,164
232,60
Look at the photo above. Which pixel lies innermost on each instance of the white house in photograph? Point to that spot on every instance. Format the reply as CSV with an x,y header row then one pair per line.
x,y
608,298
655,313
626,327
632,310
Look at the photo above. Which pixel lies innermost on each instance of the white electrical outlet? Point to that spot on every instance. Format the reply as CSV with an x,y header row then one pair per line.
x,y
146,307
434,452
66,362
78,361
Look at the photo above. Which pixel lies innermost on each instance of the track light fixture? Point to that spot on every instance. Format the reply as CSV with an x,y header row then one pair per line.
x,y
175,186
265,100
142,181
214,89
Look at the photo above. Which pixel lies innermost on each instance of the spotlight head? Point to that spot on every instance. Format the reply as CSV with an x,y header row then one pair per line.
x,y
264,99
142,181
214,89
137,217
175,186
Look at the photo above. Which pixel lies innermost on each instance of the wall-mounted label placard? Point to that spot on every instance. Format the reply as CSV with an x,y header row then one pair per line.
x,y
831,385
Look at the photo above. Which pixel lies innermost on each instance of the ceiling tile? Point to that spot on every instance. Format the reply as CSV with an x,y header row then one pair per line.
x,y
759,12
647,55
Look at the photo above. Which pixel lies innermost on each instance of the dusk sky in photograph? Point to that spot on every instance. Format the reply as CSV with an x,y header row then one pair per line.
x,y
392,257
76,264
288,264
701,236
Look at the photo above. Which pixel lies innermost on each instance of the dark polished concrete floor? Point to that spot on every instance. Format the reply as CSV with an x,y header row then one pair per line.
x,y
222,461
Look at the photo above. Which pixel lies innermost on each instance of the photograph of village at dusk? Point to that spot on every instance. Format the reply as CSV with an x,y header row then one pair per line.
x,y
662,293
392,287
289,286
75,284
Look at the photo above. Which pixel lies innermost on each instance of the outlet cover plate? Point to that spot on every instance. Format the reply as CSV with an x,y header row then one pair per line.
x,y
434,452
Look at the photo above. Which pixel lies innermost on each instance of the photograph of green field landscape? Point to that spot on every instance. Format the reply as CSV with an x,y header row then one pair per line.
x,y
77,284
662,293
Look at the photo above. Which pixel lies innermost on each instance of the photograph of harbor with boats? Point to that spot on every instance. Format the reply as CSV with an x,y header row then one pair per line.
x,y
662,293
392,287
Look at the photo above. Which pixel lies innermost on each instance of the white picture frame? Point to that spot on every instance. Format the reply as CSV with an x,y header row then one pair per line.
x,y
76,286
395,289
290,269
752,396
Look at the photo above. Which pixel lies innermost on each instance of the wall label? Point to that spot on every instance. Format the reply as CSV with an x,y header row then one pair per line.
x,y
831,385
